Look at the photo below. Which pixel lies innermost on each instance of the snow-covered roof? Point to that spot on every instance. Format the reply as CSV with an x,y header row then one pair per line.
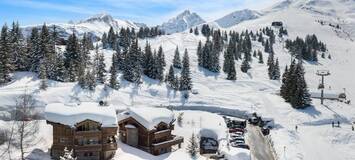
x,y
149,117
71,114
210,133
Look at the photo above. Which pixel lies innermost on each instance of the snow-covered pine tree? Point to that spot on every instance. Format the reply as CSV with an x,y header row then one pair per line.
x,y
159,62
33,50
270,63
99,65
148,65
47,52
283,89
17,48
260,55
161,56
229,65
170,78
43,76
267,46
185,79
60,71
176,60
72,58
114,84
68,155
245,66
301,98
132,71
5,57
192,147
90,79
276,71
199,53
196,32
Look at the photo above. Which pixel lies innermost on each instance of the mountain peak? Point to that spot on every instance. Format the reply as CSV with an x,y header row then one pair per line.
x,y
181,22
102,17
237,17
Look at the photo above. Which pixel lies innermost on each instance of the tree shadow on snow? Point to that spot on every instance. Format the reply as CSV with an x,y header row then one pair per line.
x,y
208,73
311,110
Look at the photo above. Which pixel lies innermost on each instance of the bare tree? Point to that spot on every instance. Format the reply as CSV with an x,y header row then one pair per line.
x,y
25,126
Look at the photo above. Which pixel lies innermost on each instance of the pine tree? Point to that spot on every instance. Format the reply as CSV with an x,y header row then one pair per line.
x,y
176,60
114,84
5,58
192,147
99,64
301,98
158,66
229,64
148,62
276,71
171,79
17,48
199,54
196,32
283,89
33,50
90,79
185,79
161,56
43,76
132,71
260,55
191,31
245,66
72,58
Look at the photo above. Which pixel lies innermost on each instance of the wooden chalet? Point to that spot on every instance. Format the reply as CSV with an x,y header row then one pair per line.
x,y
89,129
148,129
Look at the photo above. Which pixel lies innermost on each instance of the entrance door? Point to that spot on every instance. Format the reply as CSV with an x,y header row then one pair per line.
x,y
132,137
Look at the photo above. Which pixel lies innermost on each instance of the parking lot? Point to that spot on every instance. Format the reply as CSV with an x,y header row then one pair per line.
x,y
249,136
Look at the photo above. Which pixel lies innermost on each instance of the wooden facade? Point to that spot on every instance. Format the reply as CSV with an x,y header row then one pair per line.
x,y
156,141
88,139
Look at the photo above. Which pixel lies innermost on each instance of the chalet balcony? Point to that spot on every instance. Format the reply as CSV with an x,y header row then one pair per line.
x,y
162,134
174,141
88,133
88,147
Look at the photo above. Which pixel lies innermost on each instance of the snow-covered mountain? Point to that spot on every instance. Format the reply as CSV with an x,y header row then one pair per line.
x,y
181,22
95,26
237,17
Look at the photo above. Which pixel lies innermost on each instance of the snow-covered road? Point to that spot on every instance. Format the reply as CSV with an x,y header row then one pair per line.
x,y
260,149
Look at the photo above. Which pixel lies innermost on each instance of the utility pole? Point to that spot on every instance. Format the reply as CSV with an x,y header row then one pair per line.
x,y
322,73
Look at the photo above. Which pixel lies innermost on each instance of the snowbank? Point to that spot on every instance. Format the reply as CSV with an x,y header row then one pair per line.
x,y
70,114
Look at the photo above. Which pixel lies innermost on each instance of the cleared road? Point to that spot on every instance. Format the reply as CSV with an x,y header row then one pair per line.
x,y
260,149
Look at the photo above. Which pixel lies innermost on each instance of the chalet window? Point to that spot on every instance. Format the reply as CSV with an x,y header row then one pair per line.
x,y
63,140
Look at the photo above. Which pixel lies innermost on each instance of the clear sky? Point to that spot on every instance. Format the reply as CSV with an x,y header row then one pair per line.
x,y
151,12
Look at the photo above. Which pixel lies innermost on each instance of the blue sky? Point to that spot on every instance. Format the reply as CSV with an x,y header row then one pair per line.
x,y
151,12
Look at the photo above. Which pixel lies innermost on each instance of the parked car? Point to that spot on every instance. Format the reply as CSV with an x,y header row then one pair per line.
x,y
237,134
240,139
236,143
245,146
232,130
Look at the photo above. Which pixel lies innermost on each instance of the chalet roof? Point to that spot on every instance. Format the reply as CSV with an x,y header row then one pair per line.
x,y
149,117
71,114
